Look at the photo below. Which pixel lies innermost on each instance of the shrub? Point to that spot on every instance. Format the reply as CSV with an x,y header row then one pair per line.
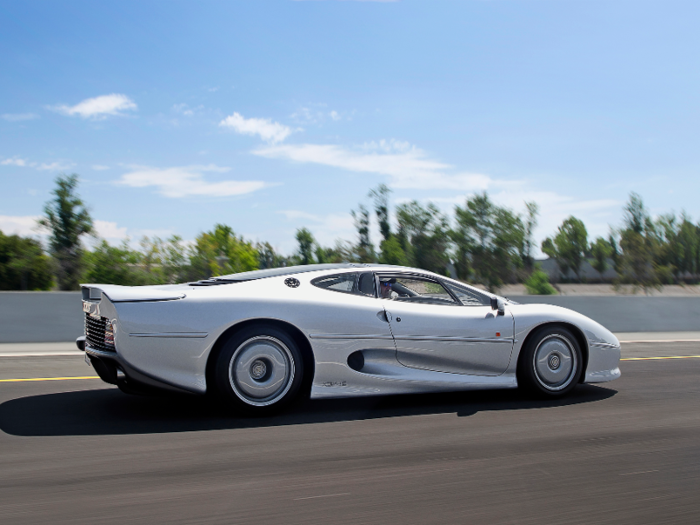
x,y
538,284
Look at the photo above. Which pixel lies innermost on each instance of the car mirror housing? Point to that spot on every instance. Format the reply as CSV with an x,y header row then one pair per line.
x,y
498,304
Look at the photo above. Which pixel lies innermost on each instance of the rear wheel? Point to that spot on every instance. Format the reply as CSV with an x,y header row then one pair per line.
x,y
259,370
551,363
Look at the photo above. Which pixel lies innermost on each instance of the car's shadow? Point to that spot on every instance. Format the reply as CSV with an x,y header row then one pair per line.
x,y
109,412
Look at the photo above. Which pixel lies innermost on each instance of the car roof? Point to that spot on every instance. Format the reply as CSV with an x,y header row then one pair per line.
x,y
290,270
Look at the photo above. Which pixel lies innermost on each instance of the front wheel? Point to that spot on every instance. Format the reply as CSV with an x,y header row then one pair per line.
x,y
259,370
551,363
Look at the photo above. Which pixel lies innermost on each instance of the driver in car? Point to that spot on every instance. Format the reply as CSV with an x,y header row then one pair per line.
x,y
385,289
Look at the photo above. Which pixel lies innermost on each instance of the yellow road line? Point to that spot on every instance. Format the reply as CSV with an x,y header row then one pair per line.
x,y
657,358
46,379
97,377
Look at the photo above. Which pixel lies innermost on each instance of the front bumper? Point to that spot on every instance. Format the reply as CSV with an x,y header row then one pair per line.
x,y
603,363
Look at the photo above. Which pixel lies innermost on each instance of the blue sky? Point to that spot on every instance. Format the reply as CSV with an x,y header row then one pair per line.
x,y
273,115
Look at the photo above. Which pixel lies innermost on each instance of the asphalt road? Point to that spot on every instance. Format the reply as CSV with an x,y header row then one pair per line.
x,y
79,451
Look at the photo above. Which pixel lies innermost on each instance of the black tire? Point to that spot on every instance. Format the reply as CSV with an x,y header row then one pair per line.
x,y
259,370
551,363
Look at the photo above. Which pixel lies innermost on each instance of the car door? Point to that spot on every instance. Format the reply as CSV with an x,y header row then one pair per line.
x,y
346,317
435,330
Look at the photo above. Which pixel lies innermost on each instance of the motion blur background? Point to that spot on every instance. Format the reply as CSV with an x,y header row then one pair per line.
x,y
170,141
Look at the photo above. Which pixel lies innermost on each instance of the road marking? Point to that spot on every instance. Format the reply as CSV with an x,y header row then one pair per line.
x,y
324,496
35,379
46,379
635,473
663,341
658,358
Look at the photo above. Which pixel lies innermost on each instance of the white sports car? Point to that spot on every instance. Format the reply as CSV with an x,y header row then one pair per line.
x,y
260,339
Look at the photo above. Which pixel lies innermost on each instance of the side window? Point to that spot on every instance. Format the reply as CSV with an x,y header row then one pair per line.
x,y
365,284
468,297
413,290
344,282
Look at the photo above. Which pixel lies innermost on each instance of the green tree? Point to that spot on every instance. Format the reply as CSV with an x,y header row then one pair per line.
x,y
115,265
569,246
533,211
391,247
268,257
23,264
307,243
164,262
365,249
381,208
677,241
343,251
393,253
68,220
424,232
615,253
489,238
638,246
157,262
220,252
601,250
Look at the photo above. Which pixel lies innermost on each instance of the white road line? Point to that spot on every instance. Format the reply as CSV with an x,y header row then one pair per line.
x,y
324,496
40,354
662,341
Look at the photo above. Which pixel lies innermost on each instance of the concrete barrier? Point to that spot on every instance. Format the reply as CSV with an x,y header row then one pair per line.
x,y
43,317
40,317
630,313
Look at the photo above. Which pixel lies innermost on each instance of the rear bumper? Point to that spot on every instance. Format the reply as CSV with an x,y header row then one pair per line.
x,y
114,370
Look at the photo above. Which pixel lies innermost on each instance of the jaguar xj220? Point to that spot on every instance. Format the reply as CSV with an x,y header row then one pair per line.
x,y
263,338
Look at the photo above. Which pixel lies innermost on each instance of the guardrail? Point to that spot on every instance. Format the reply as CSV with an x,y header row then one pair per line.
x,y
46,317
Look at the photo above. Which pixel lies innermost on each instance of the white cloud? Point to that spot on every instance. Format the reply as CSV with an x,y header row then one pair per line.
x,y
406,165
18,117
151,233
597,214
14,161
188,181
317,114
25,226
186,110
268,130
325,228
54,166
109,230
98,107
99,167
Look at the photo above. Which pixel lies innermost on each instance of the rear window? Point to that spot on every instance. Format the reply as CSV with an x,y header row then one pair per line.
x,y
344,282
353,283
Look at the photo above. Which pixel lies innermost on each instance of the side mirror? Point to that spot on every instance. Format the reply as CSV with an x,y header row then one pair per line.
x,y
498,304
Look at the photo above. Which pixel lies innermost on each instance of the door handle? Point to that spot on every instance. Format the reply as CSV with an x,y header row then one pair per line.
x,y
384,316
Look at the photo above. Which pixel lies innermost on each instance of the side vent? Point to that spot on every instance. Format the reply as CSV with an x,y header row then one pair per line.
x,y
356,361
